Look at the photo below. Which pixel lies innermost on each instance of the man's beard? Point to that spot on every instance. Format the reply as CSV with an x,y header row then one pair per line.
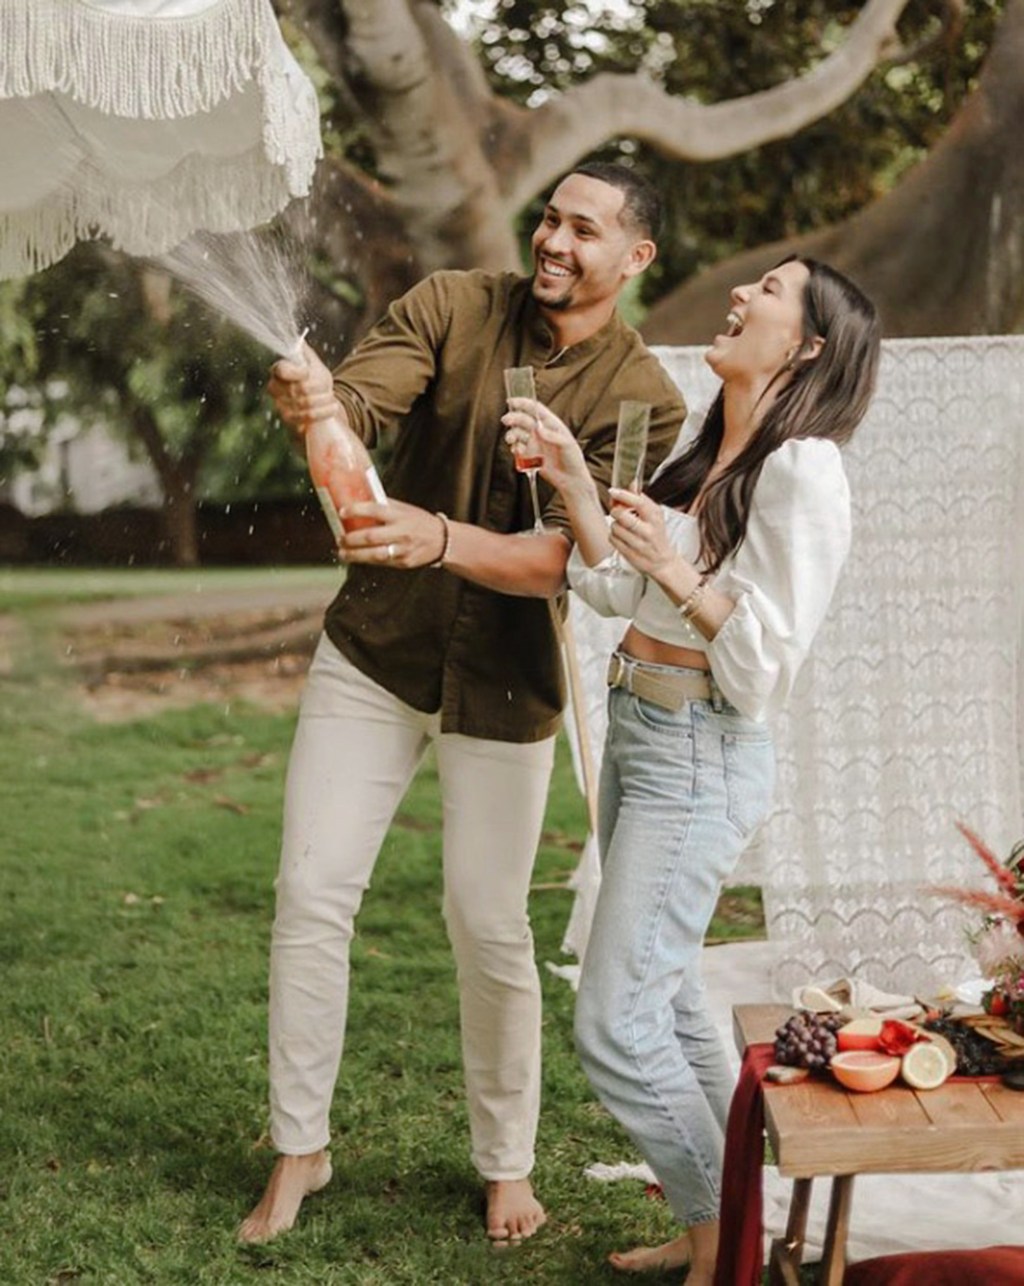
x,y
557,305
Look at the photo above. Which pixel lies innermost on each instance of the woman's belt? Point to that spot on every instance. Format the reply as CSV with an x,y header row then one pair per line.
x,y
658,685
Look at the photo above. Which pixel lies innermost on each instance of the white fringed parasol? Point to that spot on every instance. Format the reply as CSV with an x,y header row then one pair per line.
x,y
144,121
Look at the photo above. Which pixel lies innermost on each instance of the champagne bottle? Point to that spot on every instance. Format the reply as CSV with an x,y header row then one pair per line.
x,y
342,472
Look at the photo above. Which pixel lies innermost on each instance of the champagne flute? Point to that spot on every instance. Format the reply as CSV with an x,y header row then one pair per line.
x,y
529,457
630,454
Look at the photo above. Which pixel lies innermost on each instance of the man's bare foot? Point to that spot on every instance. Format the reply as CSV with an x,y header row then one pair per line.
x,y
293,1178
653,1259
513,1212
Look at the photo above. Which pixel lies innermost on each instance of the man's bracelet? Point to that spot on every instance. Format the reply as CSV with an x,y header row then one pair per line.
x,y
447,540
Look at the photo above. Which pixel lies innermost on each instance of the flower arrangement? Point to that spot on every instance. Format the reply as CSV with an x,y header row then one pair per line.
x,y
998,943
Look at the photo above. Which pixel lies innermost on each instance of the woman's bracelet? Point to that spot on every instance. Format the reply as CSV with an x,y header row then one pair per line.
x,y
446,547
690,605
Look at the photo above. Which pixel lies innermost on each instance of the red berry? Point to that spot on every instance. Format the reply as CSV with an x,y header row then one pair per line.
x,y
995,1003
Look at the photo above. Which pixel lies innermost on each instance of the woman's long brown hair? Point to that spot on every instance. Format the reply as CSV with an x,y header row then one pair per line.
x,y
826,397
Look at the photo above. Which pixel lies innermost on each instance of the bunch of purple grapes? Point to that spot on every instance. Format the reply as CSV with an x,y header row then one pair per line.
x,y
807,1040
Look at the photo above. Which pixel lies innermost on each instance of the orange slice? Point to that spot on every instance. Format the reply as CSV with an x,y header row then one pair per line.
x,y
865,1070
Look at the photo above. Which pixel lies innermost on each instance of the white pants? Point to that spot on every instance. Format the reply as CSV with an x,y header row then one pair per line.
x,y
356,749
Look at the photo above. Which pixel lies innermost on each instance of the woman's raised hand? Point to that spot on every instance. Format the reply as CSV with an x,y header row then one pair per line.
x,y
563,464
638,532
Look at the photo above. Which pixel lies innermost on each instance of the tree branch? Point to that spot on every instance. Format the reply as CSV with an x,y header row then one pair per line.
x,y
947,32
559,133
940,254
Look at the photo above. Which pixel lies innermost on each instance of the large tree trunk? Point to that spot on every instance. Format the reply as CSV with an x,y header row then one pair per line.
x,y
942,254
178,477
427,108
179,520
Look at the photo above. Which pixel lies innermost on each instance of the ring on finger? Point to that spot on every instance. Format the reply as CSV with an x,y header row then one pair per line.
x,y
390,552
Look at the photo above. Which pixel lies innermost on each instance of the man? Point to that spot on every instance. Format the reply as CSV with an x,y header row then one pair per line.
x,y
442,633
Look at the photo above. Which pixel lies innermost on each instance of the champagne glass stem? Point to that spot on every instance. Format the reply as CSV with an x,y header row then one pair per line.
x,y
531,475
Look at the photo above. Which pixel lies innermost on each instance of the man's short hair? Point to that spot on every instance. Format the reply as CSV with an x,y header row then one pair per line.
x,y
641,208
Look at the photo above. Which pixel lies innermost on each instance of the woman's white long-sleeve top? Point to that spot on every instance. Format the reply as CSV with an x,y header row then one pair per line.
x,y
781,578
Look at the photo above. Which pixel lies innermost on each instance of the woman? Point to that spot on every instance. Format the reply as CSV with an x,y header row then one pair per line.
x,y
728,564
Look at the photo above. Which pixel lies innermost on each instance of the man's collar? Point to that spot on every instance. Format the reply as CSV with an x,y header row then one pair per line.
x,y
542,337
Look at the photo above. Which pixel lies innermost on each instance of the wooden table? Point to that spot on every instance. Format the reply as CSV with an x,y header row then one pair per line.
x,y
818,1129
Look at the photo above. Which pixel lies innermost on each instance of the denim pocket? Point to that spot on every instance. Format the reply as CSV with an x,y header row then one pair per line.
x,y
658,718
749,763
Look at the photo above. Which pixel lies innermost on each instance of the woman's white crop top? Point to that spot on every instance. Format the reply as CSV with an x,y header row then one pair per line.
x,y
782,578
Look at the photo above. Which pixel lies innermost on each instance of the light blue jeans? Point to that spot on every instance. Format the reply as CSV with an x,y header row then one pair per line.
x,y
680,795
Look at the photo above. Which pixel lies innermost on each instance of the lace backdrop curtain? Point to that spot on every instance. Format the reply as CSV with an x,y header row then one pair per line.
x,y
909,713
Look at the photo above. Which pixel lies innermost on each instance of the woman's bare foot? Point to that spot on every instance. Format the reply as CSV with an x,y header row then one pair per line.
x,y
704,1247
513,1212
653,1259
293,1179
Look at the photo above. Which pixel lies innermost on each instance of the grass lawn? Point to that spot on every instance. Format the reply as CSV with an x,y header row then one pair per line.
x,y
22,587
135,904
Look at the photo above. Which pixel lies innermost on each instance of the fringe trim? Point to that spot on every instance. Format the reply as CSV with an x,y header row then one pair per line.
x,y
144,68
291,120
156,69
216,195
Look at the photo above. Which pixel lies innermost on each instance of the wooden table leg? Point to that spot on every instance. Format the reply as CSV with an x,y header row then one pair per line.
x,y
833,1260
786,1254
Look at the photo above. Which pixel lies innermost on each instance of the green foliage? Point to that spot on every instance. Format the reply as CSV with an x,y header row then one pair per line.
x,y
22,416
17,326
105,338
29,589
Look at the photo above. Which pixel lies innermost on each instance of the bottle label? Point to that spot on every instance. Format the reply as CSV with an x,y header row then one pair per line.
x,y
330,513
376,486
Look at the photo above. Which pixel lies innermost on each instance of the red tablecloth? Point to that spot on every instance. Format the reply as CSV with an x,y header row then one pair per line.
x,y
996,1266
740,1247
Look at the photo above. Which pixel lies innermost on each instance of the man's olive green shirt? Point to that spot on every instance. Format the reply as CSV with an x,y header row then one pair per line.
x,y
429,377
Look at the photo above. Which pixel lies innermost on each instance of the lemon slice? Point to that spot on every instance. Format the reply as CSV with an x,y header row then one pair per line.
x,y
925,1066
946,1048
